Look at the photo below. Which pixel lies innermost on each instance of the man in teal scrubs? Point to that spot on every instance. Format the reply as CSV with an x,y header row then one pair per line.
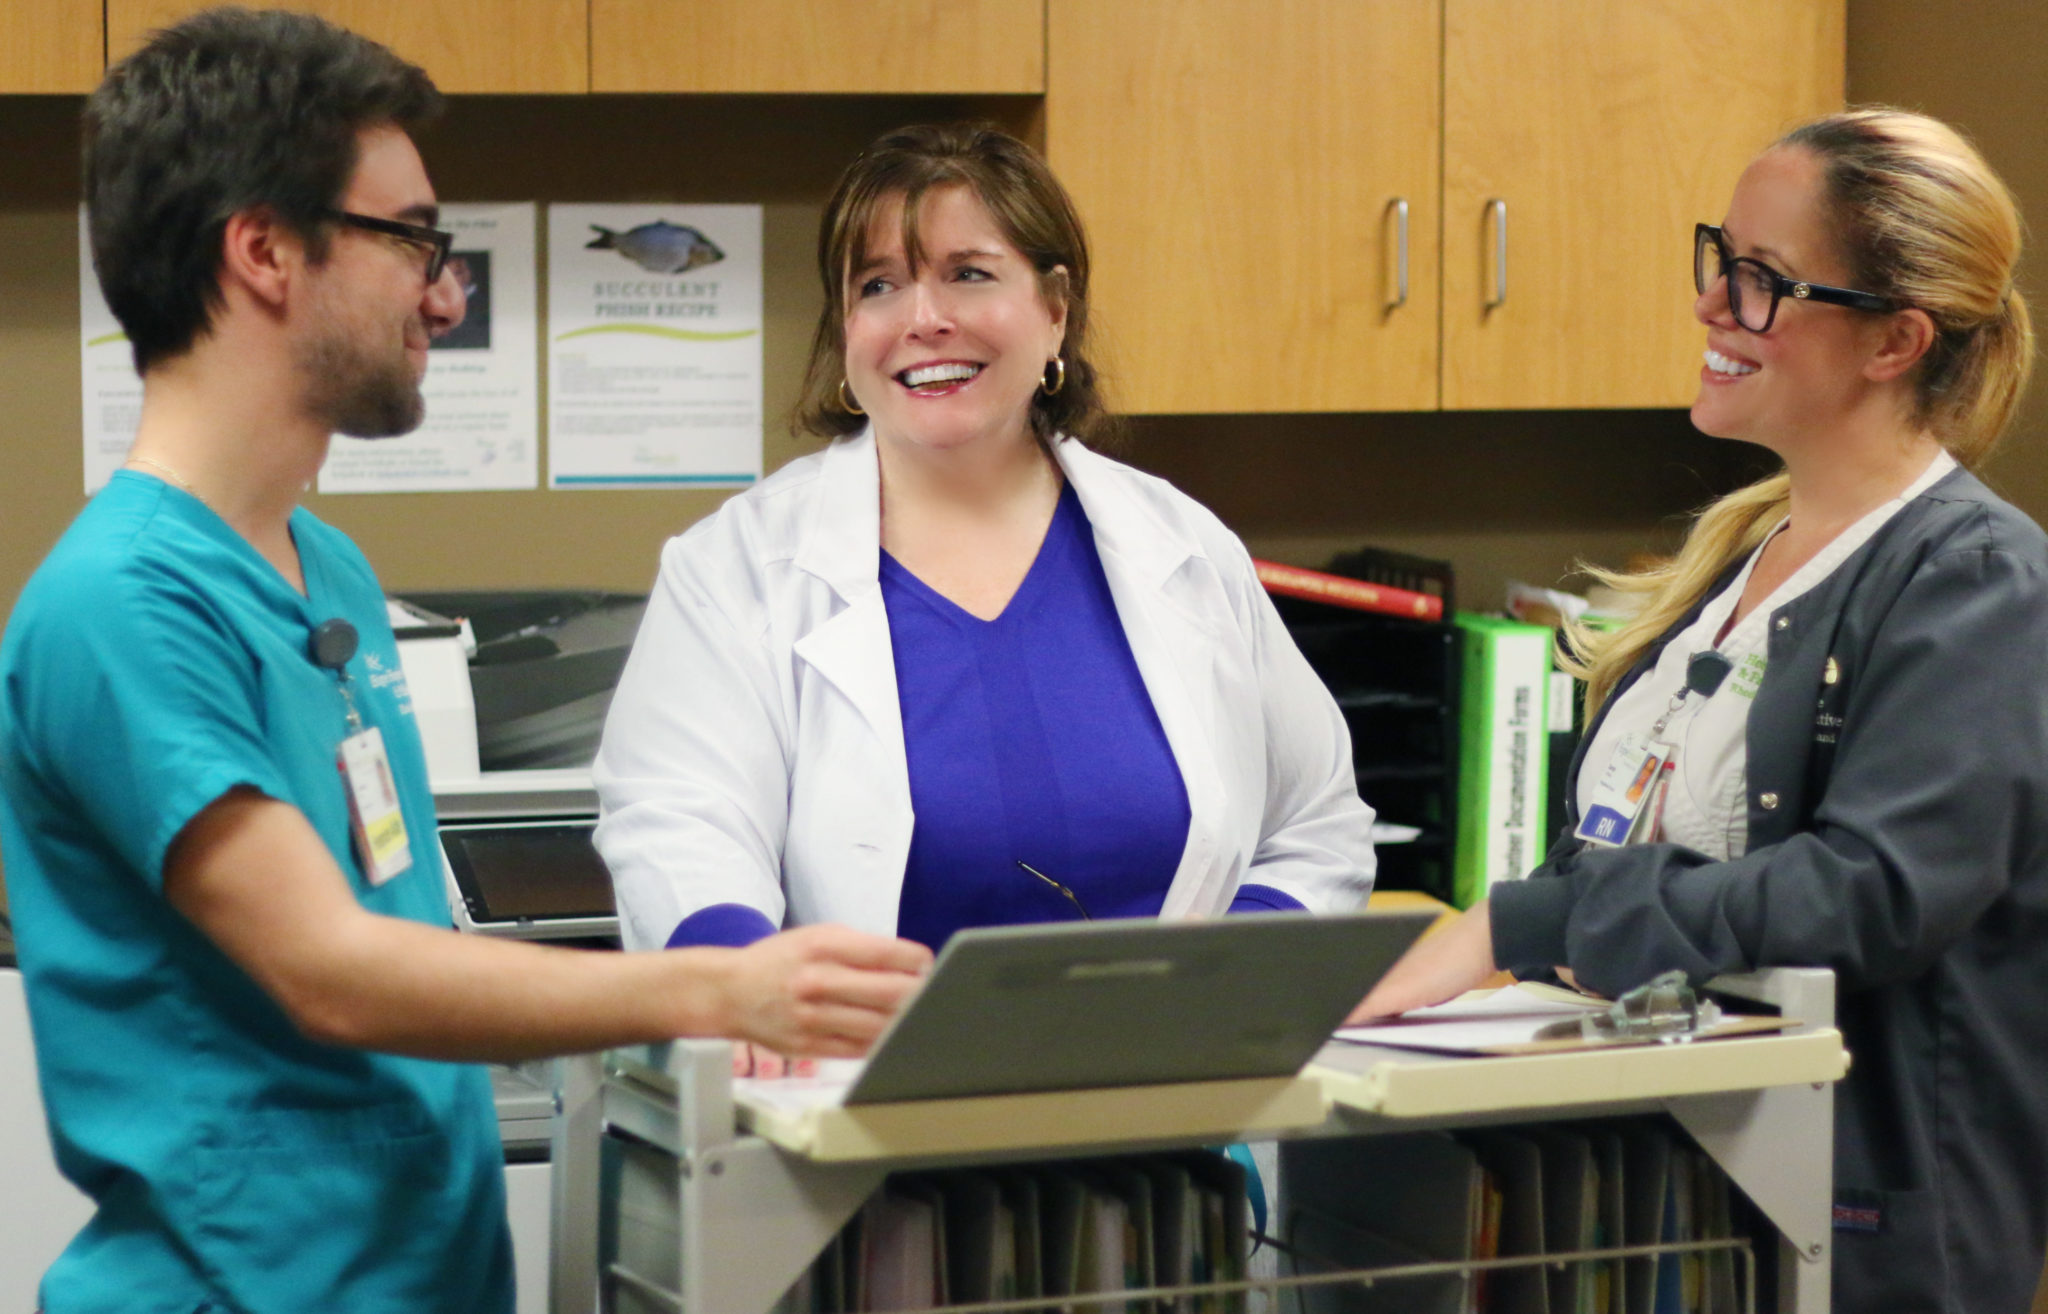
x,y
219,840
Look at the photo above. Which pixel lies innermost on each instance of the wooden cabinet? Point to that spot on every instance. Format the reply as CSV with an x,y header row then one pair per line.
x,y
485,46
1297,205
1239,163
50,47
896,46
1604,129
1243,168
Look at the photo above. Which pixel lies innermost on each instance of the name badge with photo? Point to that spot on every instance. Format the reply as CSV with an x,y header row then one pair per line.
x,y
1625,787
374,813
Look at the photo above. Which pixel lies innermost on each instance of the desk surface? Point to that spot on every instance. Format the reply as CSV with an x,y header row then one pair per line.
x,y
1343,1080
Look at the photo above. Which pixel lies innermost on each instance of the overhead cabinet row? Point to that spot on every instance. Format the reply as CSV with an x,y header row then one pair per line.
x,y
1375,205
1296,205
526,47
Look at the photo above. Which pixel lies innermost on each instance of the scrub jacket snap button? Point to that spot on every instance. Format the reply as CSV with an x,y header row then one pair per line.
x,y
1784,622
1769,801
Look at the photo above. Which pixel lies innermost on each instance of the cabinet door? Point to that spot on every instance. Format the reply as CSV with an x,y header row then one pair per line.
x,y
52,47
1606,128
491,46
897,46
1239,164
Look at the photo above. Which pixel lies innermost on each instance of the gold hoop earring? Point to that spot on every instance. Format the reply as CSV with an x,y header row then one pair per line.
x,y
846,402
1056,377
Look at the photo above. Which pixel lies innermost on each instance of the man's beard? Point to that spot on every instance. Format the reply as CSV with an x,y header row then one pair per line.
x,y
360,393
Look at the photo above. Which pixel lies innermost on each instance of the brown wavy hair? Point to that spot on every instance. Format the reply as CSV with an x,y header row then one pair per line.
x,y
1029,206
1921,220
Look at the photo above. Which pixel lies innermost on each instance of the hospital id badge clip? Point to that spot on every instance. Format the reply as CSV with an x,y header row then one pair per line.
x,y
373,811
1624,788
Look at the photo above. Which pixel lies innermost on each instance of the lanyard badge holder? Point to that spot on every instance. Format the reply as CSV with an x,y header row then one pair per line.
x,y
375,818
1630,795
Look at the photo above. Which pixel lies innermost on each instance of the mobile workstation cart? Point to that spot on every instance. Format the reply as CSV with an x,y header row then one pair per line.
x,y
670,1195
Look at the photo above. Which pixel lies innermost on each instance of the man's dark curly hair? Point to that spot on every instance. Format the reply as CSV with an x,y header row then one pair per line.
x,y
229,110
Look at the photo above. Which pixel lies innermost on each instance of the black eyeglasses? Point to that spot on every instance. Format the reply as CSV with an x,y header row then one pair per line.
x,y
1071,897
1755,289
436,241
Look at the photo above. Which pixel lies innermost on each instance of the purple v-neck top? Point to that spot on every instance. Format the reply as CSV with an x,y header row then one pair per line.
x,y
1030,738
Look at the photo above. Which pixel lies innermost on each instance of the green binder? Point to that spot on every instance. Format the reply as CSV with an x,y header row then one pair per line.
x,y
1503,752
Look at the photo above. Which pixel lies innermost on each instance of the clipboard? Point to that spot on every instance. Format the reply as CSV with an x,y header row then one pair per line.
x,y
1538,1019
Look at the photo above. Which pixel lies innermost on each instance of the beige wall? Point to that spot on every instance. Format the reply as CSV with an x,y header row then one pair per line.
x,y
1502,495
1979,65
1499,494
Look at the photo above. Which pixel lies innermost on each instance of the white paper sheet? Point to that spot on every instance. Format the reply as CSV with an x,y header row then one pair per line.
x,y
1475,1021
112,390
483,408
654,346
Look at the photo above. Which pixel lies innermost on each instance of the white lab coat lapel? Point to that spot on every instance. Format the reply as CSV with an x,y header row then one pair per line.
x,y
841,547
1174,645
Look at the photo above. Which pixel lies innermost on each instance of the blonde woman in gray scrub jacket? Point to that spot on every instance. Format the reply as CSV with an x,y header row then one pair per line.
x,y
1861,777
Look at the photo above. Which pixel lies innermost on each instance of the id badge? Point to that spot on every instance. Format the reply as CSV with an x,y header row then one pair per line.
x,y
373,811
1625,787
1646,828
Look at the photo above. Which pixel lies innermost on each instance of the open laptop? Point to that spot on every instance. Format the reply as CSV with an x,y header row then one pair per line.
x,y
1071,1006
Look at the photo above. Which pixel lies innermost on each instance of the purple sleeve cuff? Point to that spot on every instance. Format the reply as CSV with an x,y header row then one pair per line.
x,y
723,925
1264,898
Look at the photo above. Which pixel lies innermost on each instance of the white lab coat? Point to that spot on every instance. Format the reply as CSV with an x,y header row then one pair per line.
x,y
754,750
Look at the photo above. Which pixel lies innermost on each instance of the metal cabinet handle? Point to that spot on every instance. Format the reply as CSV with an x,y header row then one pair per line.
x,y
1499,209
1399,205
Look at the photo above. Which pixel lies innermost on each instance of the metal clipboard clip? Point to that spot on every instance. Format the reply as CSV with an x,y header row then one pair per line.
x,y
1663,1009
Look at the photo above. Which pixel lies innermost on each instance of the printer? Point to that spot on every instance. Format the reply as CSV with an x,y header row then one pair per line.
x,y
510,691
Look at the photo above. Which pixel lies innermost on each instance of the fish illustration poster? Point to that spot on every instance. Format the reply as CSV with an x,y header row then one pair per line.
x,y
654,346
483,408
482,423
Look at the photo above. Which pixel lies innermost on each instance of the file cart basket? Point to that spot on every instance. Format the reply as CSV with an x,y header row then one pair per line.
x,y
672,1193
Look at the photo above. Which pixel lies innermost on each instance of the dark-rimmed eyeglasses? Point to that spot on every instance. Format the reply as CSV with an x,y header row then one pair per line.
x,y
434,240
1755,289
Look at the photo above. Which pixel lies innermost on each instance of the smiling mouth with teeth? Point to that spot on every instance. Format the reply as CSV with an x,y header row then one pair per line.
x,y
933,376
1720,364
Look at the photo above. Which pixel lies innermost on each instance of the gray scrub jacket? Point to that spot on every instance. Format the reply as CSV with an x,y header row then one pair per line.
x,y
1898,833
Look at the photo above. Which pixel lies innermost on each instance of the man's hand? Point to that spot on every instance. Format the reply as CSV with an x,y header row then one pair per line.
x,y
1442,965
824,991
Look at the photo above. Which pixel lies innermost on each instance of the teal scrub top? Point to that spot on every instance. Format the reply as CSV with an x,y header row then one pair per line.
x,y
154,663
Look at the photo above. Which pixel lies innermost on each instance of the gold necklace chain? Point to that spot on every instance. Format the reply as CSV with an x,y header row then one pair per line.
x,y
176,478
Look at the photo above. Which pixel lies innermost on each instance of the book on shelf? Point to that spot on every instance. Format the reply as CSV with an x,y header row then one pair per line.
x,y
1342,591
1503,753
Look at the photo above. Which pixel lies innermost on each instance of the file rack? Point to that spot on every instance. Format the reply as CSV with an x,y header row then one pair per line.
x,y
669,1194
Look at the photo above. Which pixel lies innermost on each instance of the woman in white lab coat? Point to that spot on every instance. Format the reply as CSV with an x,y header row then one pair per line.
x,y
957,668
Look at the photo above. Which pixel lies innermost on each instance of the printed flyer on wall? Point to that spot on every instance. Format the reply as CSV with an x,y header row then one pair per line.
x,y
654,346
482,429
482,423
112,389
